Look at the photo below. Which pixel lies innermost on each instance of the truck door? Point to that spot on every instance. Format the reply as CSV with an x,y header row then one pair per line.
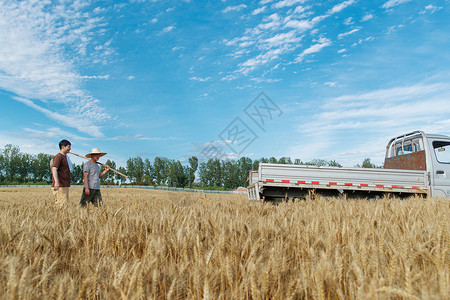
x,y
441,168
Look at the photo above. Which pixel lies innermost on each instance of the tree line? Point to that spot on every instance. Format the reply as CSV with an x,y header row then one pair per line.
x,y
17,167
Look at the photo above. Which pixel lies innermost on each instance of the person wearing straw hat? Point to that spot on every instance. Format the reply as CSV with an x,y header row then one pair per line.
x,y
60,167
91,175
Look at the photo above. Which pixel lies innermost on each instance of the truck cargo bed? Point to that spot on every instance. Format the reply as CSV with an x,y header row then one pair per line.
x,y
335,178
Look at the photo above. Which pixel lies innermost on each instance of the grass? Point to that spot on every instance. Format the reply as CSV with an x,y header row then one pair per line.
x,y
147,244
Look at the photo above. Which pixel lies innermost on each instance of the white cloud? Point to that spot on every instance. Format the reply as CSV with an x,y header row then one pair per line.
x,y
321,43
131,77
431,9
331,83
270,39
342,50
53,133
338,7
140,137
80,124
200,79
104,77
367,17
285,3
376,116
229,78
234,8
392,3
300,9
259,10
217,149
348,21
271,22
176,48
268,80
264,58
340,36
42,44
301,25
168,28
281,39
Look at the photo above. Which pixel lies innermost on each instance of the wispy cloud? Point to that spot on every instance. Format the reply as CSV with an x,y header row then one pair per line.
x,y
140,137
200,78
168,29
349,21
234,8
338,7
431,9
279,34
321,43
392,3
104,77
52,133
341,35
377,116
285,3
41,45
367,17
79,123
259,10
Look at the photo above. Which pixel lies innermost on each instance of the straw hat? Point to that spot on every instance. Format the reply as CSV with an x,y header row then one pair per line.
x,y
95,151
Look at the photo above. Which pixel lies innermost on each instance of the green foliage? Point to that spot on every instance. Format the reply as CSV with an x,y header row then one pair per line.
x,y
20,167
77,175
193,166
368,164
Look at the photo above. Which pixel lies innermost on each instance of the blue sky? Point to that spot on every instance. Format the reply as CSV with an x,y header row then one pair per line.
x,y
330,80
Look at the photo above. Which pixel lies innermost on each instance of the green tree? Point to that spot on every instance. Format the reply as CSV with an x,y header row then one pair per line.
x,y
41,167
245,165
24,169
367,164
2,167
210,173
149,174
77,175
11,162
160,169
298,161
177,174
109,176
193,166
333,163
135,169
120,177
230,174
317,162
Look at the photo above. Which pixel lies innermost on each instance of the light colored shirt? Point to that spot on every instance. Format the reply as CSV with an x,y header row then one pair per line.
x,y
93,171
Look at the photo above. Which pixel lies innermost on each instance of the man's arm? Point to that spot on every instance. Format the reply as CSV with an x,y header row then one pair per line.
x,y
86,185
55,177
104,172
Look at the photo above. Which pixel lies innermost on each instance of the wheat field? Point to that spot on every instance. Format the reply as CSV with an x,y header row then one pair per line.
x,y
147,244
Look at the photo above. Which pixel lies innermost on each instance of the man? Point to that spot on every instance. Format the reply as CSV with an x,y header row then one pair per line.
x,y
61,174
91,175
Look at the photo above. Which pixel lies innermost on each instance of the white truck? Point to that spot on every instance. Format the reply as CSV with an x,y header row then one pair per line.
x,y
415,163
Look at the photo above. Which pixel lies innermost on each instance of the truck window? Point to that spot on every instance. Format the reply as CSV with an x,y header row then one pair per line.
x,y
407,148
442,151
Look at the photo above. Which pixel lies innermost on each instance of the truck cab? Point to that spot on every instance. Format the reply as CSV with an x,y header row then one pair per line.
x,y
424,152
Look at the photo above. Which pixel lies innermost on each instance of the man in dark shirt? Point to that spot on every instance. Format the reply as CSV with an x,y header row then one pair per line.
x,y
61,174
